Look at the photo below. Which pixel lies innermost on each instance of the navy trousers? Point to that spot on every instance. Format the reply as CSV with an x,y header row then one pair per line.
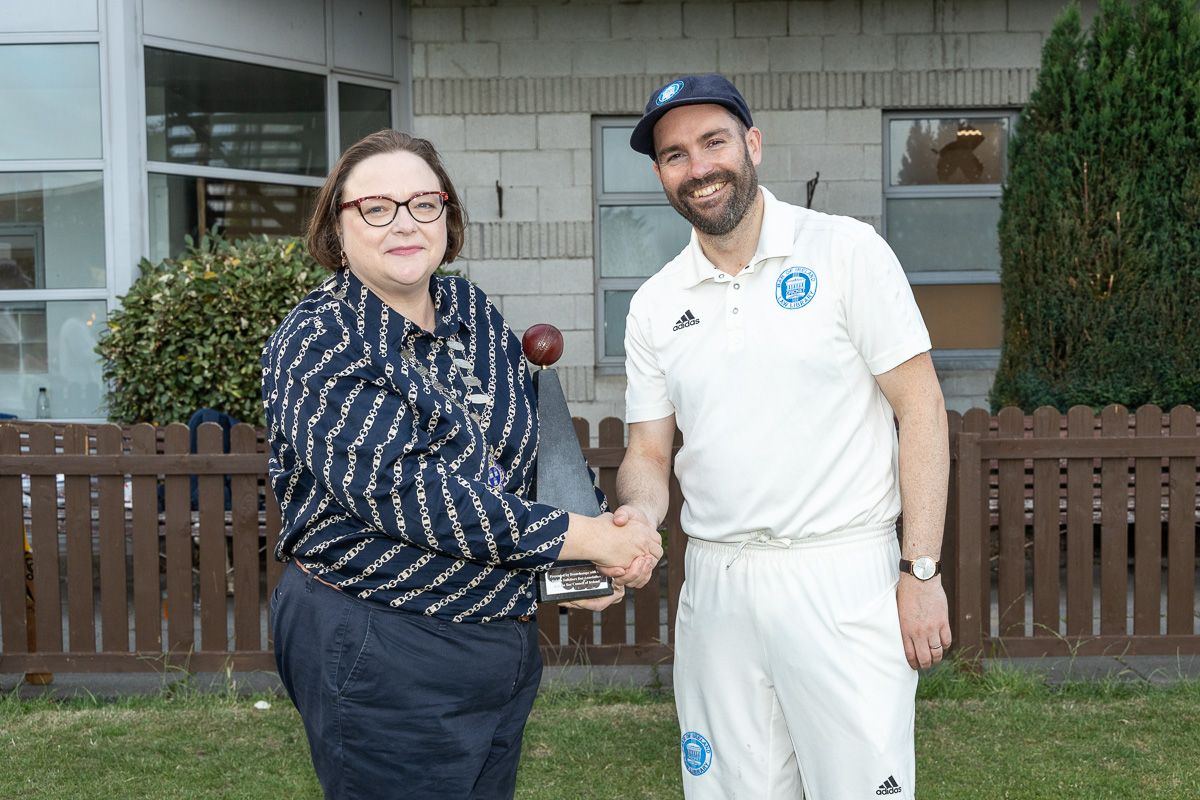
x,y
401,705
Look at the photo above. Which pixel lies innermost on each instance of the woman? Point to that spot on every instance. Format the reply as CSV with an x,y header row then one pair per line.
x,y
402,428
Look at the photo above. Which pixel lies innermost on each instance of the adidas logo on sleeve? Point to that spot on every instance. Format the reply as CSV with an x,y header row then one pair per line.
x,y
688,319
888,787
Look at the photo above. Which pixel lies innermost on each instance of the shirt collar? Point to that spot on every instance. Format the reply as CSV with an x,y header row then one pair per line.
x,y
775,240
449,315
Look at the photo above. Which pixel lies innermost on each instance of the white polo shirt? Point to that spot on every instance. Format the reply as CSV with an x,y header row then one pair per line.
x,y
771,377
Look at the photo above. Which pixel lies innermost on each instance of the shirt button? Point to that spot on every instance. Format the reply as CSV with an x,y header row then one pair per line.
x,y
737,286
735,310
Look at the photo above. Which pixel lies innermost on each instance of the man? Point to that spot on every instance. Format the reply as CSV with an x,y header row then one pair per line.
x,y
781,342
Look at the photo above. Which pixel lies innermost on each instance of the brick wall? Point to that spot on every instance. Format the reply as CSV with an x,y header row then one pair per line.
x,y
507,90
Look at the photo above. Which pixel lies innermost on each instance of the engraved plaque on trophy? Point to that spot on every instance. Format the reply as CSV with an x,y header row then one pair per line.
x,y
562,475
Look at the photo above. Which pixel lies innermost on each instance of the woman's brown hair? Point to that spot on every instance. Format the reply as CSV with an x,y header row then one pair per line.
x,y
323,241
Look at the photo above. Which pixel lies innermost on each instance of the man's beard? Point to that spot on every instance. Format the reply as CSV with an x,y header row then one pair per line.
x,y
722,220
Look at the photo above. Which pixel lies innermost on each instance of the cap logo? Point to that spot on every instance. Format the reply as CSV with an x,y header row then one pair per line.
x,y
670,91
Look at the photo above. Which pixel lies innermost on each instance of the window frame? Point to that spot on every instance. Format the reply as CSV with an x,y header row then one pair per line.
x,y
337,78
953,358
122,165
38,234
102,166
606,364
333,78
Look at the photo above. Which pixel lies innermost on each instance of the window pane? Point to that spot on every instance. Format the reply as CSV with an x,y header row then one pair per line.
x,y
636,241
182,206
51,97
219,113
933,152
616,308
51,344
625,170
961,316
51,230
21,257
362,110
945,233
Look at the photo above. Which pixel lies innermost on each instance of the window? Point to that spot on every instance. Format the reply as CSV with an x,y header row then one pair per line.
x,y
943,176
235,139
186,206
212,112
22,259
637,231
51,230
56,88
233,146
22,337
53,251
244,147
51,343
362,110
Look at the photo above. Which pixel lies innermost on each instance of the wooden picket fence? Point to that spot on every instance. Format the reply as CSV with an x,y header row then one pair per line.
x,y
1053,519
1051,522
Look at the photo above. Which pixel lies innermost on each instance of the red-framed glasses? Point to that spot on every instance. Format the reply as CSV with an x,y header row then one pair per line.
x,y
379,210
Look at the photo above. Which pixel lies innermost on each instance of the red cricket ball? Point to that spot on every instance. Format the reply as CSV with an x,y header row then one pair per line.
x,y
543,344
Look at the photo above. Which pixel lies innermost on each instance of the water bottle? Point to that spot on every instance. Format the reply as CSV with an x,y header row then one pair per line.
x,y
43,403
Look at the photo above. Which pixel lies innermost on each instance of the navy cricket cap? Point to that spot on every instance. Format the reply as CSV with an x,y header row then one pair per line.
x,y
685,91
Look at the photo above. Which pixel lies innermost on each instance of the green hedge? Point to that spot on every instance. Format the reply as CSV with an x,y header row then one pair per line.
x,y
190,332
1100,222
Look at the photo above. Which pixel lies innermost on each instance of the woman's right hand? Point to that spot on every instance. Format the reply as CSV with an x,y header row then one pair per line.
x,y
601,541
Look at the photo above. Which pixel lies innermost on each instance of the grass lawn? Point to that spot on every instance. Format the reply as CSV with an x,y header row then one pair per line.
x,y
1005,735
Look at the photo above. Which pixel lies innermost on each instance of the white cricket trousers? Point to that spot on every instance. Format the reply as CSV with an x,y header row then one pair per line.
x,y
790,676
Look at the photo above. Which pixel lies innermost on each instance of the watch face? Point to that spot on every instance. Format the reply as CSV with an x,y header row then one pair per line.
x,y
923,568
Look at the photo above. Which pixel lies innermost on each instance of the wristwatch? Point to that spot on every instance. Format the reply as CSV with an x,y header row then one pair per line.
x,y
922,568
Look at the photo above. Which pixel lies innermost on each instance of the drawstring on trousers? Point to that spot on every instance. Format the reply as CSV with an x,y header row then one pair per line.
x,y
762,538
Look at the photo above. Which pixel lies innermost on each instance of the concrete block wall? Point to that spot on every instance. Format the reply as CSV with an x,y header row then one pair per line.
x,y
507,90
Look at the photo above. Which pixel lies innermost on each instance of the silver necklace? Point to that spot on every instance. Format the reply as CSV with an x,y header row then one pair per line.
x,y
494,474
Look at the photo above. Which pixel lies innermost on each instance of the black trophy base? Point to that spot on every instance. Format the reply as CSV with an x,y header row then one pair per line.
x,y
572,581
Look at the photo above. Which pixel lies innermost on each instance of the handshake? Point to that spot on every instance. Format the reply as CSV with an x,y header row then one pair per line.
x,y
624,545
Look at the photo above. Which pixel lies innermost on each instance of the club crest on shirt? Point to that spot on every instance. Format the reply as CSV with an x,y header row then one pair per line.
x,y
668,92
796,287
697,753
495,476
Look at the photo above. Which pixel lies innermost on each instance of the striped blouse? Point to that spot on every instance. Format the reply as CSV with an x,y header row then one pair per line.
x,y
402,459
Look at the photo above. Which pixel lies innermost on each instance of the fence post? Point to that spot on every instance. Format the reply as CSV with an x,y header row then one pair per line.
x,y
1114,527
612,619
1047,541
1181,526
210,541
243,499
114,581
1148,529
177,533
969,628
149,607
1081,424
580,624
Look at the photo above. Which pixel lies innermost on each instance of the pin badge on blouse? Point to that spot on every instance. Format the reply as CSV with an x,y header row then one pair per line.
x,y
561,475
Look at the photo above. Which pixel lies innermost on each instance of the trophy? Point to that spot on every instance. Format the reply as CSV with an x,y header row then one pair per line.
x,y
562,478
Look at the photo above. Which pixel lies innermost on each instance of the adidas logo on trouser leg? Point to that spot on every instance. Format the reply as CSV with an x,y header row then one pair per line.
x,y
889,786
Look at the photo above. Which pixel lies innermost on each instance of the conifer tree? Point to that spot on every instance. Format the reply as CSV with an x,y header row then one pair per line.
x,y
1100,219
